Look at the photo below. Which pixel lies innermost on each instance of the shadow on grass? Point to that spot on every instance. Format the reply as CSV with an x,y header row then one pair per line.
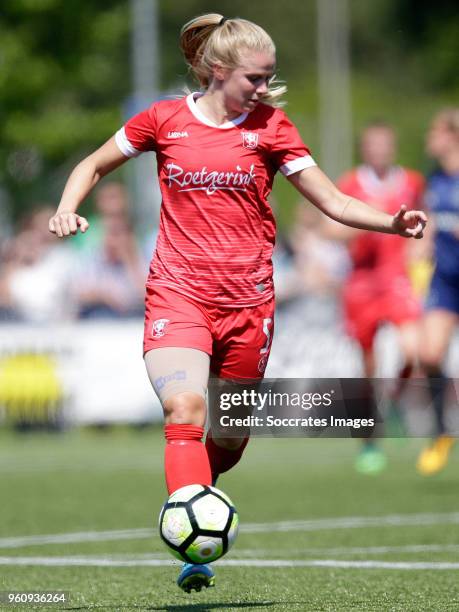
x,y
208,607
198,607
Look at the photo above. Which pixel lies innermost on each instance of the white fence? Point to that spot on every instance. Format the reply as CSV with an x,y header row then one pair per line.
x,y
102,375
99,365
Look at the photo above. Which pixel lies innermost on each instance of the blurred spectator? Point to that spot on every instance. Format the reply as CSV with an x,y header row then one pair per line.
x,y
309,270
310,264
323,264
111,282
36,273
44,280
111,201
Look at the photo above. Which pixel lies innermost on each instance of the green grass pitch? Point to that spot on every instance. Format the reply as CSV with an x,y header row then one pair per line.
x,y
314,535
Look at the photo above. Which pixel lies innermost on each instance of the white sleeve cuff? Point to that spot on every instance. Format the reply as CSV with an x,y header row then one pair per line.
x,y
124,145
297,164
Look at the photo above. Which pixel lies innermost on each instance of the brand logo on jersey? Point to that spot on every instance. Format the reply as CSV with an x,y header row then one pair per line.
x,y
177,134
158,328
250,140
210,181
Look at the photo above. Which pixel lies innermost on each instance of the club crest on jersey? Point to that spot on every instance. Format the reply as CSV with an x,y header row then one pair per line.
x,y
158,329
250,140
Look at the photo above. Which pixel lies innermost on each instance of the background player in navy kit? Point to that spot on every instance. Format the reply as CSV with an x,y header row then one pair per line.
x,y
442,305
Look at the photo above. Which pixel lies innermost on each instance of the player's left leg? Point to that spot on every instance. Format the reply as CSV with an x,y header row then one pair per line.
x,y
242,341
242,348
362,315
408,338
409,342
371,459
224,452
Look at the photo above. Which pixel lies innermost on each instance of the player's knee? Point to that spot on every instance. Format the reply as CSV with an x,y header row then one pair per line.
x,y
431,359
185,408
411,356
229,443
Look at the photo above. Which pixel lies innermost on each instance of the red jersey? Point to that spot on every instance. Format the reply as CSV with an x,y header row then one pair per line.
x,y
217,229
380,258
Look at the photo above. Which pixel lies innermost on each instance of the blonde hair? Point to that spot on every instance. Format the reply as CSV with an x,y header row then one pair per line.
x,y
450,117
210,39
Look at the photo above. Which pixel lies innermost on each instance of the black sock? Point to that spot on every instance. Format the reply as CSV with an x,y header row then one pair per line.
x,y
437,387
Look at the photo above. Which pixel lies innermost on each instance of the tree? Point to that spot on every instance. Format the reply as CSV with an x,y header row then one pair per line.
x,y
63,80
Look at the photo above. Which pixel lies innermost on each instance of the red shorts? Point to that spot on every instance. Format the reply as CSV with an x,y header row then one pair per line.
x,y
365,310
238,340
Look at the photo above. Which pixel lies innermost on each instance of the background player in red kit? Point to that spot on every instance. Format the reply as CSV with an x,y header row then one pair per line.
x,y
209,302
378,290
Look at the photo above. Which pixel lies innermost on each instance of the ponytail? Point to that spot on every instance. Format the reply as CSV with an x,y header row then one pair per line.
x,y
210,39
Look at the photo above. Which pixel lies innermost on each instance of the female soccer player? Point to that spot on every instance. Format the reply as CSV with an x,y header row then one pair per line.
x,y
209,294
378,289
442,305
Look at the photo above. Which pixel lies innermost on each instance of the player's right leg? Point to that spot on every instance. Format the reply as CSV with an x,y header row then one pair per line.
x,y
177,347
179,377
437,329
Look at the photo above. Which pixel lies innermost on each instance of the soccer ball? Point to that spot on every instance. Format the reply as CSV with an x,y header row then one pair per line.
x,y
198,523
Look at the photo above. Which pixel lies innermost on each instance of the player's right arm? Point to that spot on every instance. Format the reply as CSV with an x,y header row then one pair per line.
x,y
80,183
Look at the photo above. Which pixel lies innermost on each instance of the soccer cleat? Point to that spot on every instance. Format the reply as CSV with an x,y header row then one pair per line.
x,y
370,460
195,576
394,424
435,457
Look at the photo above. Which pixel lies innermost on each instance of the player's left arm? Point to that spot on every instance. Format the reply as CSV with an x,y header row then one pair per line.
x,y
314,185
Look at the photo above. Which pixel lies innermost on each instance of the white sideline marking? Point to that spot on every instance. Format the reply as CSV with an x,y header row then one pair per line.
x,y
353,522
87,561
351,550
415,548
350,522
333,563
434,565
81,536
